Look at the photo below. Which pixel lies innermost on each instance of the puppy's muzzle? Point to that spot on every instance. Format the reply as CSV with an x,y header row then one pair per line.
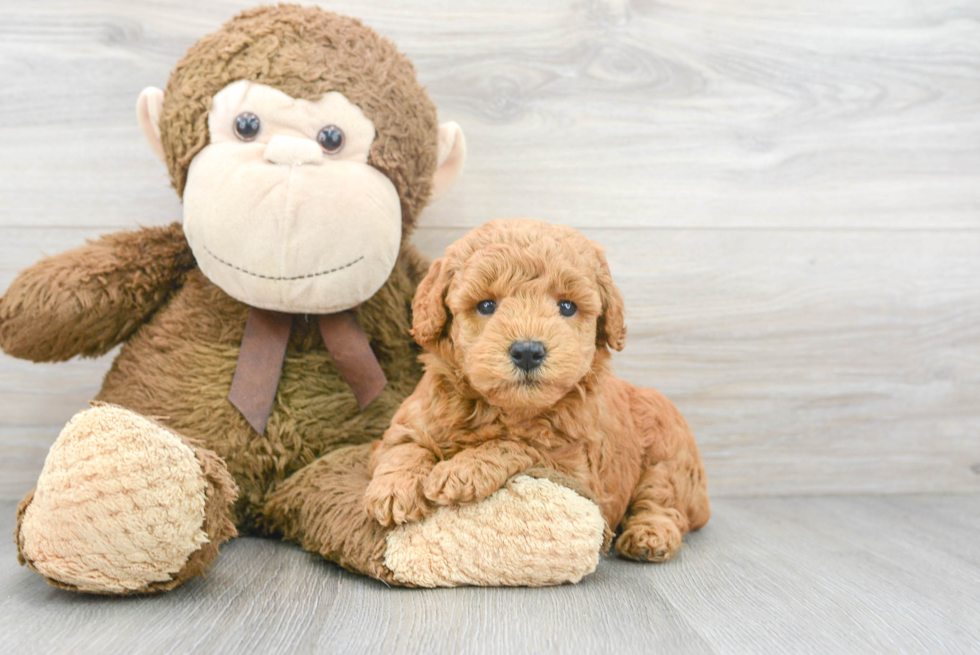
x,y
527,355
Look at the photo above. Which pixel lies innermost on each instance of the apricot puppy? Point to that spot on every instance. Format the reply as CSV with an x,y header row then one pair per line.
x,y
516,321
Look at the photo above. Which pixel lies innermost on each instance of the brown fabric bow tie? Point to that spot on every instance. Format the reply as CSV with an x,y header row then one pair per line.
x,y
253,389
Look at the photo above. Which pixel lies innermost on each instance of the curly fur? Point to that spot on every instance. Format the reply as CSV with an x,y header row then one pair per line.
x,y
476,420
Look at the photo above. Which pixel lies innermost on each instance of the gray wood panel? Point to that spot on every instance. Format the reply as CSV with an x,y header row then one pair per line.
x,y
605,112
806,362
787,192
778,575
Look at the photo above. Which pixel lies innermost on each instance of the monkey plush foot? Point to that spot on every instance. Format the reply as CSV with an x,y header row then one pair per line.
x,y
533,532
124,505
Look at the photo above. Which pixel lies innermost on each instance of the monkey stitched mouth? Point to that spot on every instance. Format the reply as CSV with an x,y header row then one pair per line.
x,y
285,278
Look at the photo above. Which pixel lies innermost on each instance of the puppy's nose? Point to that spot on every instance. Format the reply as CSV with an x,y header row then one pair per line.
x,y
527,355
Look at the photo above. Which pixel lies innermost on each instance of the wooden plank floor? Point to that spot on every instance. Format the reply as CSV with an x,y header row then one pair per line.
x,y
863,574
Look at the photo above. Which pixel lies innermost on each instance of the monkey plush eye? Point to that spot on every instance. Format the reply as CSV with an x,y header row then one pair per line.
x,y
247,126
486,307
567,308
331,139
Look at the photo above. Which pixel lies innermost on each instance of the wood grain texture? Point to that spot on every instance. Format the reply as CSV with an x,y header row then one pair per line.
x,y
787,192
709,114
780,575
805,362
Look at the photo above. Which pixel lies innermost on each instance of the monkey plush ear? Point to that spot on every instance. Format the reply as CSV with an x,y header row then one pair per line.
x,y
429,313
452,156
149,108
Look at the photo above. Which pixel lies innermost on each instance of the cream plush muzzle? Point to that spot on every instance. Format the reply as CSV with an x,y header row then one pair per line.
x,y
279,223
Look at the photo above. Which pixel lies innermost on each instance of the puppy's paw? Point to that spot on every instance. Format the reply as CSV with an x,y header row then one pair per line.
x,y
396,498
652,539
463,480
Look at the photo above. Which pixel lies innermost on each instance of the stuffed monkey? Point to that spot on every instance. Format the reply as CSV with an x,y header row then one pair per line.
x,y
265,340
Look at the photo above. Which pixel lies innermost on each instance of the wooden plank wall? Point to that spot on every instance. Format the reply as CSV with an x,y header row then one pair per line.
x,y
789,193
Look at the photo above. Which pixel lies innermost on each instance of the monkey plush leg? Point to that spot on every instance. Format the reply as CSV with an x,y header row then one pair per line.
x,y
124,505
540,529
321,507
533,532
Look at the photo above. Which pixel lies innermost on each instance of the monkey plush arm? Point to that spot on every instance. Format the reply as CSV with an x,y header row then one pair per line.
x,y
87,300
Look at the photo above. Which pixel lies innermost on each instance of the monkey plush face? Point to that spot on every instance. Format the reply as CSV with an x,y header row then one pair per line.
x,y
281,208
304,148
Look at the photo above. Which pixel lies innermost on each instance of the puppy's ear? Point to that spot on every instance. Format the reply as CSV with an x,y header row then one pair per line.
x,y
429,314
611,329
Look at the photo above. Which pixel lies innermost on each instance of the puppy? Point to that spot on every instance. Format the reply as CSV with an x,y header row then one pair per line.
x,y
516,322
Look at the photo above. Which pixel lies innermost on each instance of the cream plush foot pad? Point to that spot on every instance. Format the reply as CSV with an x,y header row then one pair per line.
x,y
119,504
531,533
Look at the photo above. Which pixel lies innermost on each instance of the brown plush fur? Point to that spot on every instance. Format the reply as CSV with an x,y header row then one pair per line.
x,y
87,300
181,334
305,52
321,508
179,363
475,419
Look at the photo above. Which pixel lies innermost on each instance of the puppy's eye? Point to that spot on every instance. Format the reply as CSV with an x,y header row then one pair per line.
x,y
247,126
331,139
486,307
567,308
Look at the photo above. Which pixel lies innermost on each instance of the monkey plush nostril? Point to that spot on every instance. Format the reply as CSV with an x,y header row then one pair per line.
x,y
293,151
527,355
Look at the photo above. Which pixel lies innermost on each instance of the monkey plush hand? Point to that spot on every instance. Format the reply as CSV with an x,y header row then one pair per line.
x,y
265,341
